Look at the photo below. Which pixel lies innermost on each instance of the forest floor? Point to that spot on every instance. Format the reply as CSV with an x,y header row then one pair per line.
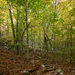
x,y
38,64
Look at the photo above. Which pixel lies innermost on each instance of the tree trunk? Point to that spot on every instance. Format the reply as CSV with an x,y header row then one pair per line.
x,y
12,25
27,33
71,52
17,33
32,37
45,42
54,35
0,31
7,26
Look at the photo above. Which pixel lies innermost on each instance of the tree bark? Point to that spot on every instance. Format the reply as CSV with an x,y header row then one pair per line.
x,y
54,34
0,31
17,32
12,25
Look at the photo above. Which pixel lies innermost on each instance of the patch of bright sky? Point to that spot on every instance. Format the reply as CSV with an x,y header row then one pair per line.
x,y
15,20
70,8
11,11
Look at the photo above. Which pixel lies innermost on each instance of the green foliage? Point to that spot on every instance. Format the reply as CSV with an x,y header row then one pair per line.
x,y
72,12
18,44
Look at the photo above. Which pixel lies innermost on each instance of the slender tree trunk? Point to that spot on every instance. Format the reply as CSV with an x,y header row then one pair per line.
x,y
44,39
0,31
22,41
17,33
71,52
34,45
13,31
54,35
32,37
45,42
67,52
21,50
7,26
27,33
